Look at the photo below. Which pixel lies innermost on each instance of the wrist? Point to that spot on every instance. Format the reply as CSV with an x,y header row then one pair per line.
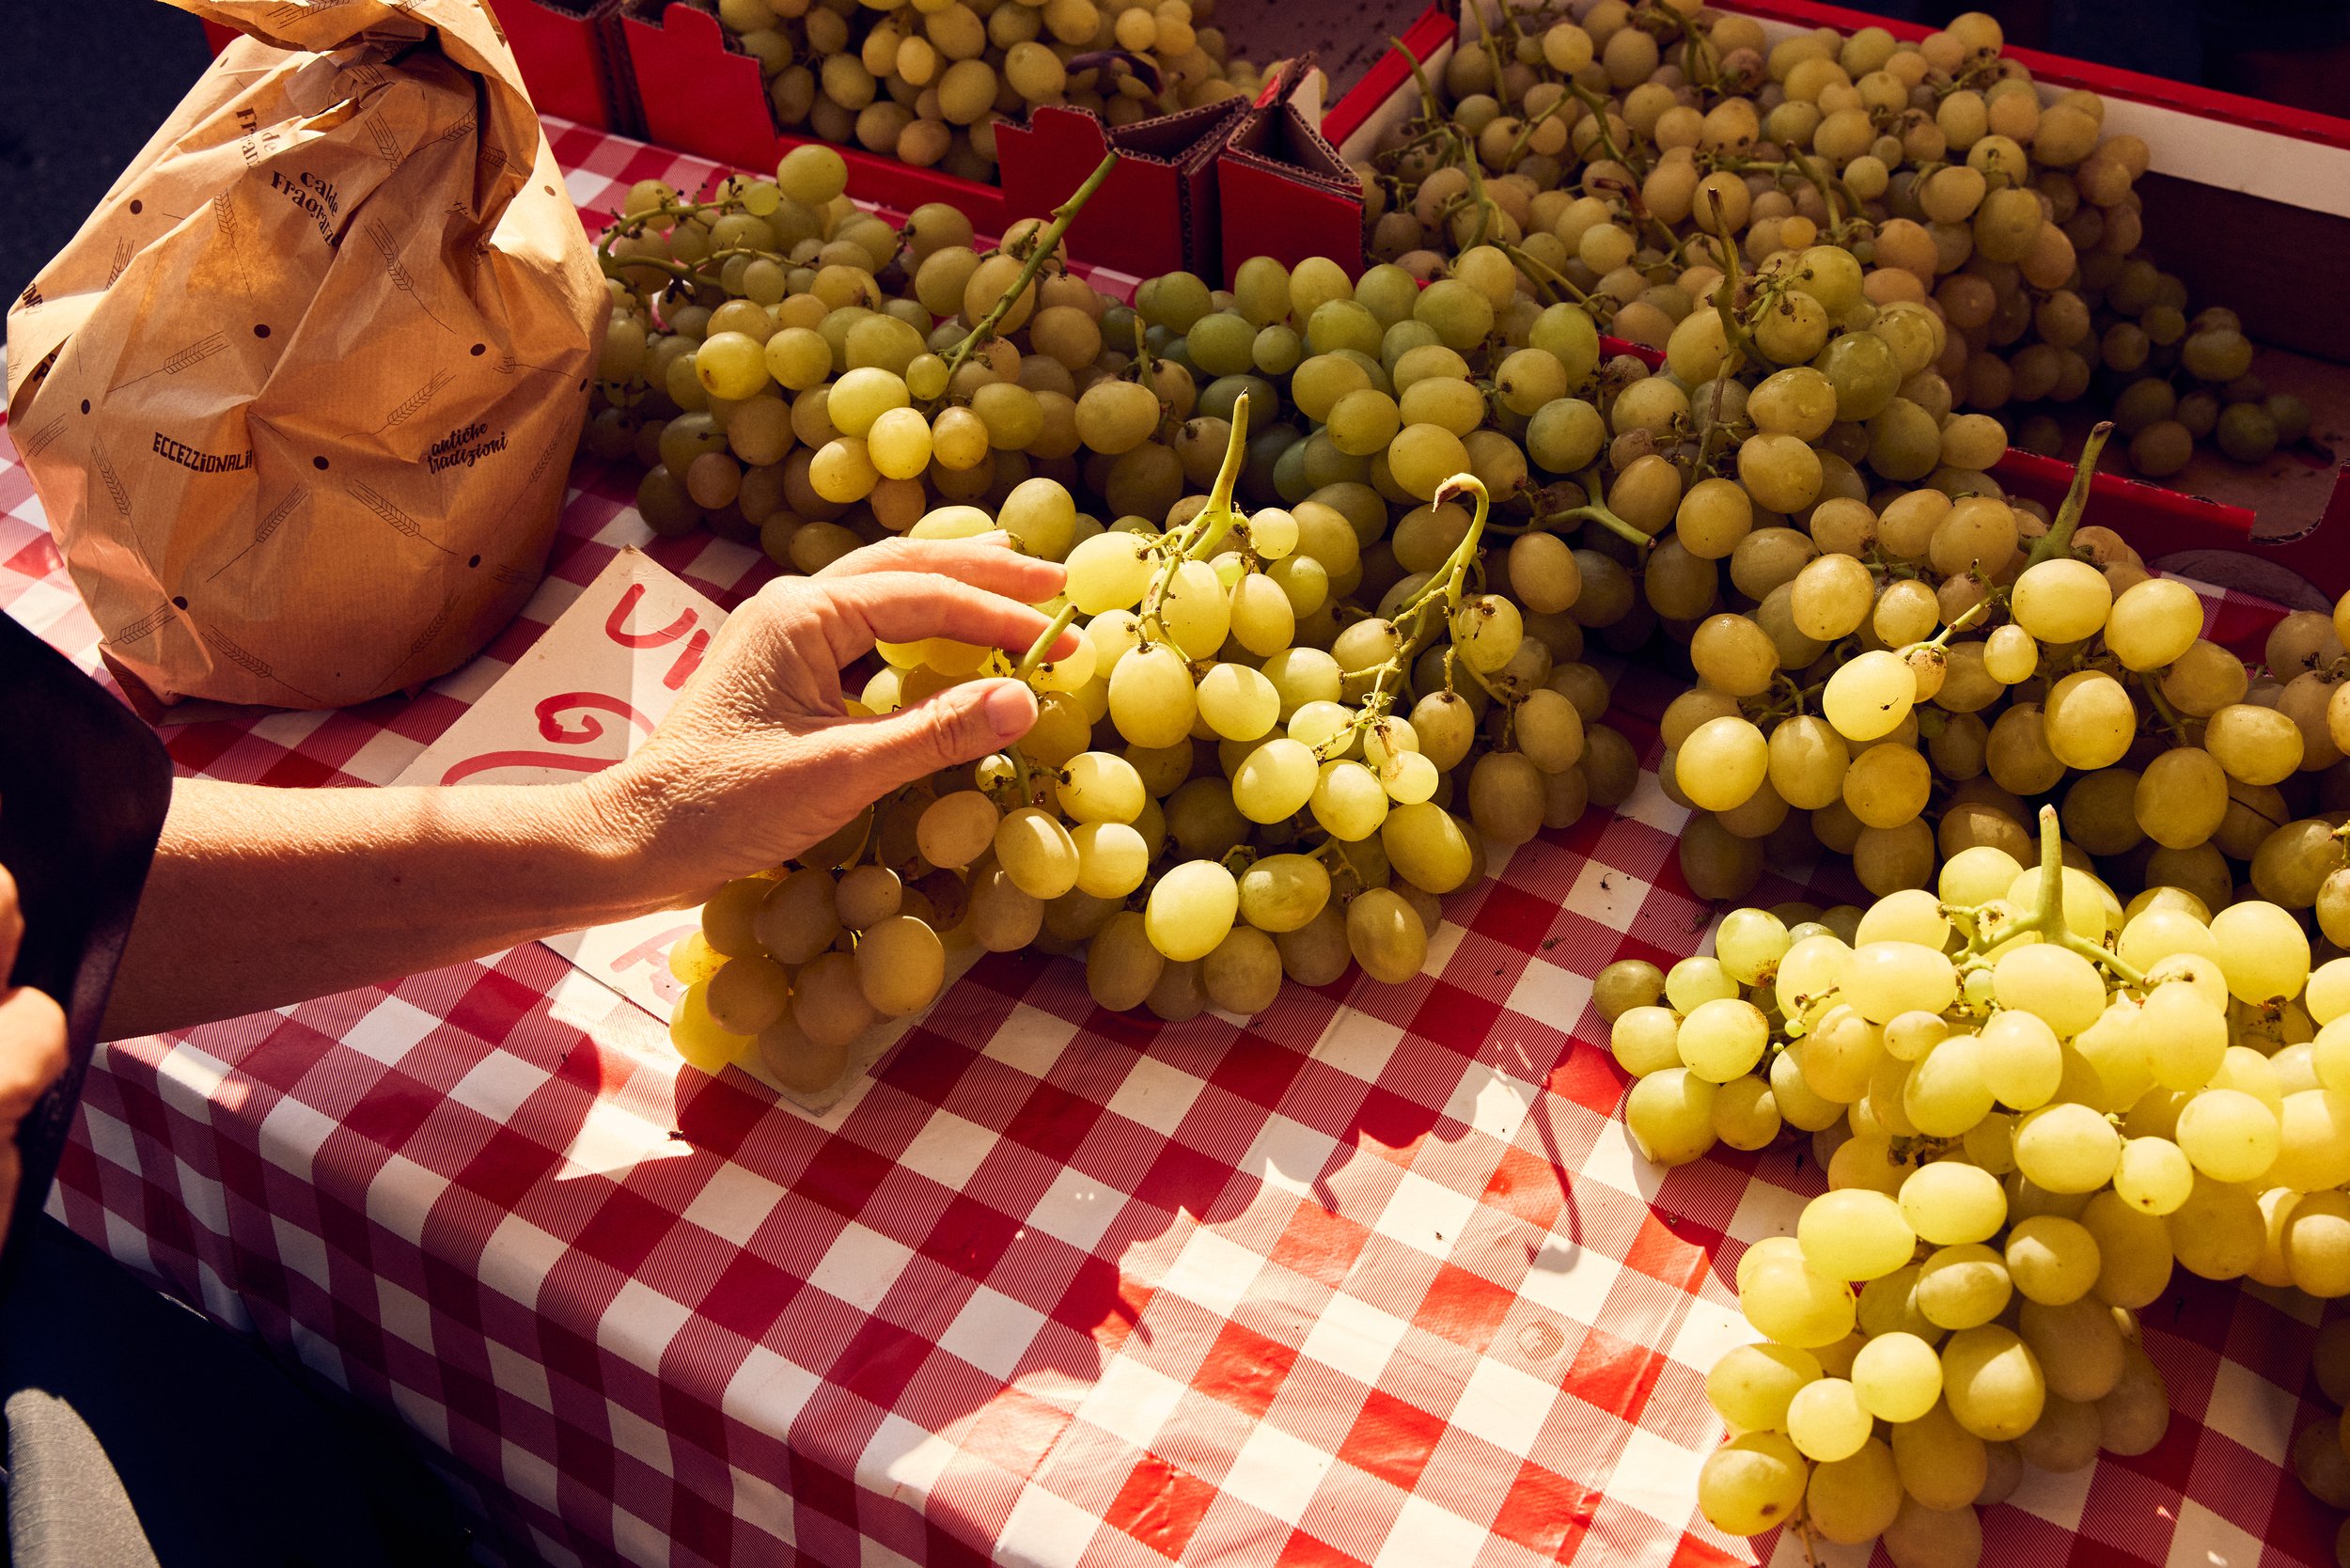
x,y
616,828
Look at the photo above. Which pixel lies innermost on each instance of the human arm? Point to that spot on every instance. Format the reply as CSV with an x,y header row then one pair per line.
x,y
261,897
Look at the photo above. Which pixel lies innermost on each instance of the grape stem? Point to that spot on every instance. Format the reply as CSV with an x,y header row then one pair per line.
x,y
2147,683
1047,245
1034,659
2058,541
1205,531
2046,918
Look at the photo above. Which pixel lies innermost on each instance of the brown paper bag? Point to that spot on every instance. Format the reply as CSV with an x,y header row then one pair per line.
x,y
301,396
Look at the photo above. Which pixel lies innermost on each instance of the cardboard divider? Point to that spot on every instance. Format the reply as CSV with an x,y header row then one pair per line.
x,y
1156,211
1283,189
572,57
702,95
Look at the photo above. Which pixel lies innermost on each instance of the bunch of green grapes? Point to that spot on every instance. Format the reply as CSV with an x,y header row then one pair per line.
x,y
798,373
1209,802
1632,153
2031,1102
929,82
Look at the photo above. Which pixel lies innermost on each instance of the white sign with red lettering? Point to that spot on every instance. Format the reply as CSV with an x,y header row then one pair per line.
x,y
584,695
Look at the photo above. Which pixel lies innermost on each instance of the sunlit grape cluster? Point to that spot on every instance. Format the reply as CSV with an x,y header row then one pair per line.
x,y
927,83
1634,152
2031,1102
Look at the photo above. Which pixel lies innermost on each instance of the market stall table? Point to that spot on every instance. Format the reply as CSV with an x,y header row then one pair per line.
x,y
1375,1279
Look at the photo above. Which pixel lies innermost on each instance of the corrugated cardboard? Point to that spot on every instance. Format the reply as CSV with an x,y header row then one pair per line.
x,y
301,396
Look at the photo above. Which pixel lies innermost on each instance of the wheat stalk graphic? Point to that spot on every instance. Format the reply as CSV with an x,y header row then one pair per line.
x,y
386,144
41,439
380,236
114,482
400,522
270,523
415,401
195,353
143,628
123,253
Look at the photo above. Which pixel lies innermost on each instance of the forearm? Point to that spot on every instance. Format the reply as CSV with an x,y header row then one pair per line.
x,y
262,896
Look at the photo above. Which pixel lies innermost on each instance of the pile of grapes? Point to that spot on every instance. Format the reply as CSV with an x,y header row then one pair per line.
x,y
1227,783
1629,155
2033,1101
928,84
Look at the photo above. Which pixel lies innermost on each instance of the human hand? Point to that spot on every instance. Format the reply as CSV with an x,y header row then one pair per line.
x,y
32,1046
759,760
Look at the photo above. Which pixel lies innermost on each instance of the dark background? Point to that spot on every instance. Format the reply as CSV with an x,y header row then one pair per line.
x,y
84,83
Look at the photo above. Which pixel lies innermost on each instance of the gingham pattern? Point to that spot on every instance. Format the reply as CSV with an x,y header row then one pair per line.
x,y
1376,1279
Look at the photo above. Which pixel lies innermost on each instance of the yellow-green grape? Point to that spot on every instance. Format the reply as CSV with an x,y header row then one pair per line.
x,y
1751,1385
1275,781
1942,1465
2154,1175
1098,787
2134,1247
1109,572
901,964
1036,852
1787,1300
1992,1381
1749,943
1281,893
2061,600
2227,1135
1385,934
797,919
1242,974
1112,859
1669,1115
1948,1203
1826,1420
2314,1150
1897,1377
1753,1483
2022,1061
1723,1039
828,1005
957,828
1152,701
2263,952
2070,1148
1960,1286
1885,979
1946,1091
1196,610
2152,624
1721,763
1869,697
1426,846
707,1046
1747,1114
1348,801
1122,966
2051,1260
2060,986
2185,1036
1191,909
1238,702
1854,1235
1697,980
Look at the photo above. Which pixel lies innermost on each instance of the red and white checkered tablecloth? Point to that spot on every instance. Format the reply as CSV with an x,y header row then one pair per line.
x,y
1375,1279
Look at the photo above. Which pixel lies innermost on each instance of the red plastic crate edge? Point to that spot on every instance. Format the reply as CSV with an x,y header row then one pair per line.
x,y
701,97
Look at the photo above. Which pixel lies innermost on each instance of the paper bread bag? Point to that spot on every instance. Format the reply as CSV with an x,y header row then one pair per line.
x,y
301,396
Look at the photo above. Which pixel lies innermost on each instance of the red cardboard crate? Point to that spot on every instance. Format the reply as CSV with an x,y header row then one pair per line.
x,y
2227,170
569,51
701,95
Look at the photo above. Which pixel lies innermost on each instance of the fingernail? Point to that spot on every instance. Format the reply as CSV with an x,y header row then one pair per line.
x,y
998,536
1011,710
